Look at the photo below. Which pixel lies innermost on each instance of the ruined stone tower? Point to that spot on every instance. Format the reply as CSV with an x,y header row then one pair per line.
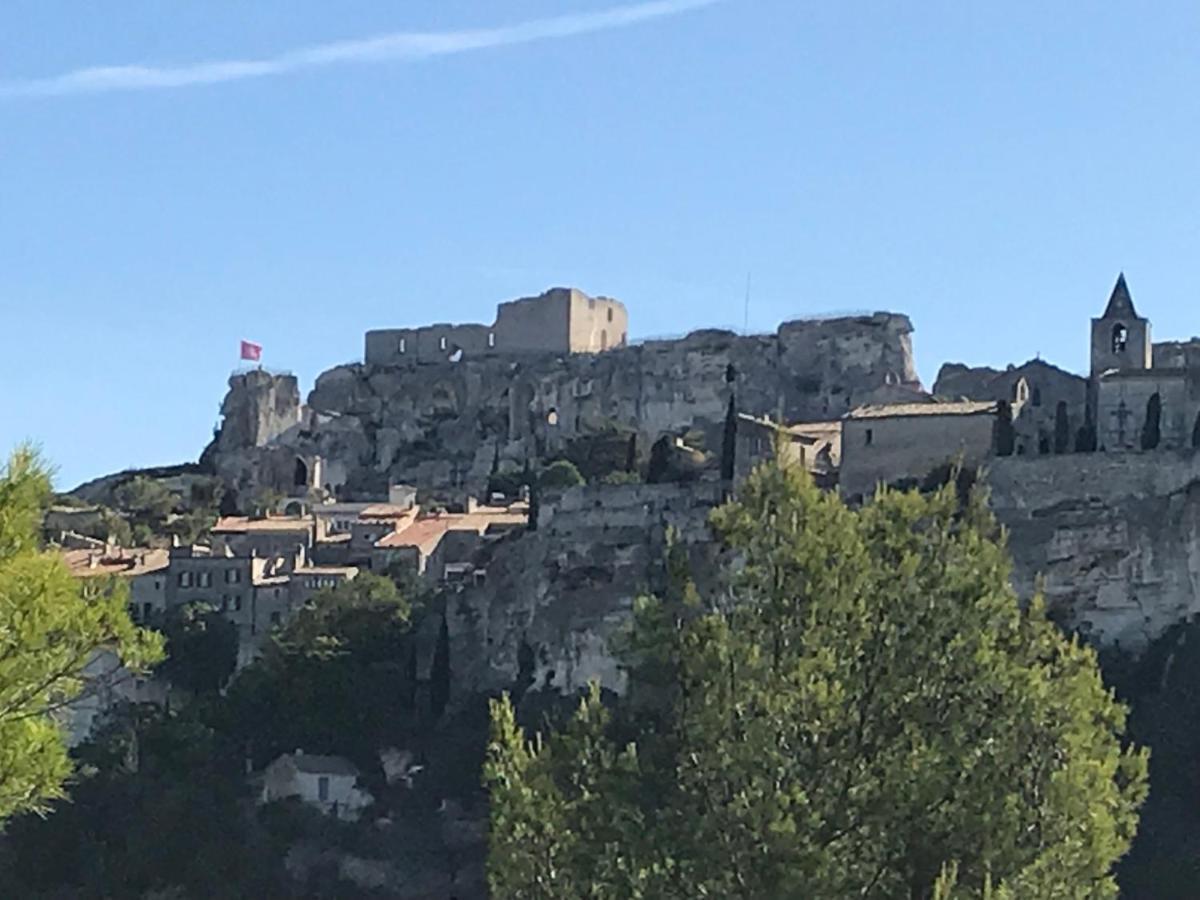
x,y
1120,337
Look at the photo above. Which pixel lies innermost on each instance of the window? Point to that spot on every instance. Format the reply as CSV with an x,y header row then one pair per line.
x,y
205,579
403,345
1037,396
603,339
237,602
610,314
442,342
1120,338
323,788
185,579
552,416
233,576
491,339
870,437
147,611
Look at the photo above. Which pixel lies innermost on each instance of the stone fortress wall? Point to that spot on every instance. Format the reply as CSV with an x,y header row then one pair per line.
x,y
559,321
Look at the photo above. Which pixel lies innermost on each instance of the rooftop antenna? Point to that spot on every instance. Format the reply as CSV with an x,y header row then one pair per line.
x,y
746,313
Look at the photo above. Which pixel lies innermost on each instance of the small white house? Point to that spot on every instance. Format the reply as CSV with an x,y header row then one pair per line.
x,y
329,783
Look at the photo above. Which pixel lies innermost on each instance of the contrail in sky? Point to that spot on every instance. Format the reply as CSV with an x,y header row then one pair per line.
x,y
398,46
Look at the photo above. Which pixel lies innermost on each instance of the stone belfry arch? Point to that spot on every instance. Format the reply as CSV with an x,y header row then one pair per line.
x,y
1120,337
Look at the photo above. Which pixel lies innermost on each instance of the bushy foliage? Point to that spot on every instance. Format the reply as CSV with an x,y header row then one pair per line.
x,y
873,716
51,625
559,475
159,811
202,647
337,679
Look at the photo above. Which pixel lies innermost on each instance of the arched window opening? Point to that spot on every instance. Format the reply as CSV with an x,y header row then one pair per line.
x,y
300,474
491,339
1021,391
1037,396
442,342
552,416
403,345
1120,338
610,314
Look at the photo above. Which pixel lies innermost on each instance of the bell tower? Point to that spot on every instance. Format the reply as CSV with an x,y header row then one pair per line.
x,y
1120,337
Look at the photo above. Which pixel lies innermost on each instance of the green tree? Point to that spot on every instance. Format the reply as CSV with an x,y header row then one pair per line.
x,y
147,503
873,715
202,648
1152,426
50,627
729,441
159,811
559,475
334,680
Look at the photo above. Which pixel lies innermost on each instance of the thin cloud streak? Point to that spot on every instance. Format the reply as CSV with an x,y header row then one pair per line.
x,y
393,47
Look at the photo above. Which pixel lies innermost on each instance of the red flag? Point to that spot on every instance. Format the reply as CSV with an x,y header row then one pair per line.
x,y
251,351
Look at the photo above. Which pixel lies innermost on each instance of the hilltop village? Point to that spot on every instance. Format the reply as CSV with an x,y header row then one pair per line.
x,y
522,483
421,460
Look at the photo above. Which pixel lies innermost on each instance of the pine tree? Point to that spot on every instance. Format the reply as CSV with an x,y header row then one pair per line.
x,y
51,625
729,441
1152,427
874,715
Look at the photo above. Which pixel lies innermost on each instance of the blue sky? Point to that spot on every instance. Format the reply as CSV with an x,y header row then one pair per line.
x,y
986,168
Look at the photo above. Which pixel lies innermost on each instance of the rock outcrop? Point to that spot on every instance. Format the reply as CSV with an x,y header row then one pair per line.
x,y
447,425
1113,538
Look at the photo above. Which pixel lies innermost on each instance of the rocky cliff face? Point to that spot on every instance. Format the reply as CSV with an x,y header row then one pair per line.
x,y
1114,538
555,597
444,425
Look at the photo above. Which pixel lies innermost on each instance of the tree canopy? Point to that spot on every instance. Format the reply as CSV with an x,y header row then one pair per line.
x,y
51,625
336,679
202,647
865,710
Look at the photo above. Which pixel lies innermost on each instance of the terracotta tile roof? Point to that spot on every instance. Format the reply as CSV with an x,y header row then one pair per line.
x,y
124,562
425,534
246,525
957,408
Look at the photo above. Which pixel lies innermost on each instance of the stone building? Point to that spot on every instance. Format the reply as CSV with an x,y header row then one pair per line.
x,y
1138,395
329,783
817,446
1141,399
897,442
266,537
1048,404
562,320
144,569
